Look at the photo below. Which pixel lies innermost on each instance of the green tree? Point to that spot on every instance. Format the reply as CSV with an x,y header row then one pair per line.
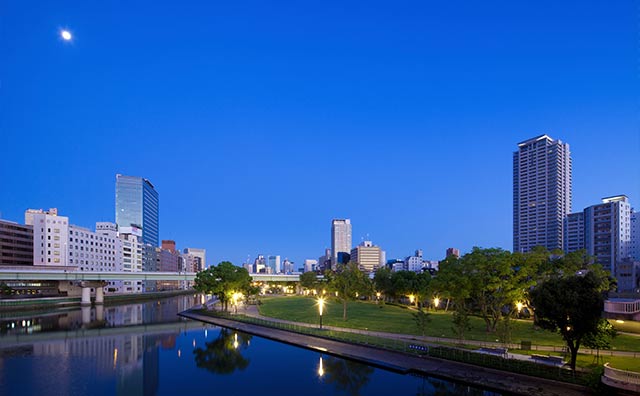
x,y
601,338
222,281
448,279
382,281
571,306
497,284
309,280
422,319
348,281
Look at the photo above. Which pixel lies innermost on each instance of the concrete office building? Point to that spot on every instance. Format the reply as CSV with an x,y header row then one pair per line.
x,y
288,266
453,252
324,261
201,253
541,193
273,262
340,241
16,244
260,265
137,205
50,236
367,256
310,265
99,251
414,263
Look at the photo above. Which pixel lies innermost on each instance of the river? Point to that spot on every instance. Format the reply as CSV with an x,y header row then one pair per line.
x,y
146,349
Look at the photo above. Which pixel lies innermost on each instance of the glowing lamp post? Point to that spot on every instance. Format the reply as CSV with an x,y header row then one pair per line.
x,y
235,297
412,298
519,306
320,309
436,302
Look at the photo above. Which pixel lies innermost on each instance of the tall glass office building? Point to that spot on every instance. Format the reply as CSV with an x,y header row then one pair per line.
x,y
137,205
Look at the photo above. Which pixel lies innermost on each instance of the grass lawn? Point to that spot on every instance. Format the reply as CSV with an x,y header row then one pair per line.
x,y
626,326
394,319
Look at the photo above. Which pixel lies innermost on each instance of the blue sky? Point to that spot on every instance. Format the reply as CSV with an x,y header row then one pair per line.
x,y
259,122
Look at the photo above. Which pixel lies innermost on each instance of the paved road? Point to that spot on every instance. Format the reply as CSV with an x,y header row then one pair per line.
x,y
501,381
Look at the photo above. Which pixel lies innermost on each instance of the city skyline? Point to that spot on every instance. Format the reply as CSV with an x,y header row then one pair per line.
x,y
257,137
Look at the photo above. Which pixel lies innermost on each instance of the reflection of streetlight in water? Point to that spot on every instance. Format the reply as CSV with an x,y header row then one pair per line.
x,y
235,340
320,369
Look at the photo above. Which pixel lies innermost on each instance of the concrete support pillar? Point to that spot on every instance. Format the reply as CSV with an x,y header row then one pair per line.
x,y
100,313
86,296
99,295
86,314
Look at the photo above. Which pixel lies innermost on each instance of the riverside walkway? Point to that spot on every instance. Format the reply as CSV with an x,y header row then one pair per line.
x,y
252,310
501,381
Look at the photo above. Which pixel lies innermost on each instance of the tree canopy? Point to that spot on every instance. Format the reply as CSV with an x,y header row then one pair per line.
x,y
222,281
570,305
309,280
348,282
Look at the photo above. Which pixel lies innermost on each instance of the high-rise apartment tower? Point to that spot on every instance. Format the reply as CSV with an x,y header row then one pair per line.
x,y
541,193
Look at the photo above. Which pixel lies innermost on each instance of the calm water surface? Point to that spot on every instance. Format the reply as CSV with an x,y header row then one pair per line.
x,y
145,349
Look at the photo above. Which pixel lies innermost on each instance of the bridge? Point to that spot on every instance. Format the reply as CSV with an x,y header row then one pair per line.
x,y
88,276
84,277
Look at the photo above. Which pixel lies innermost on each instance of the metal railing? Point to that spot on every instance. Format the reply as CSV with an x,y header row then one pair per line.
x,y
628,377
415,347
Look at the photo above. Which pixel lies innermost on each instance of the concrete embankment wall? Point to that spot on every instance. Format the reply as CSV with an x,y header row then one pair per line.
x,y
490,379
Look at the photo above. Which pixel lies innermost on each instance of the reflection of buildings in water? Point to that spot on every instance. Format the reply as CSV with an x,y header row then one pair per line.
x,y
161,311
134,359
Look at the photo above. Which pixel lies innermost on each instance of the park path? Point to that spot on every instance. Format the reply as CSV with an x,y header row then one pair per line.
x,y
252,310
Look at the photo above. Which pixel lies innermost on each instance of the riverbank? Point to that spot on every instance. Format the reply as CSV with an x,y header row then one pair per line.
x,y
500,381
47,303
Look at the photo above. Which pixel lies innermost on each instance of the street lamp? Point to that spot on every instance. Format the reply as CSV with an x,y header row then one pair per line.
x,y
320,309
411,298
235,297
519,306
378,297
436,302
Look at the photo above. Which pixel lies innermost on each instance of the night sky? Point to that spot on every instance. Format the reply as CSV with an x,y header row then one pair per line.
x,y
258,122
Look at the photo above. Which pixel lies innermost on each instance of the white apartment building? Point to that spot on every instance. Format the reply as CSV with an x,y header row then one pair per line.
x,y
541,193
573,232
608,231
50,236
634,250
132,260
340,239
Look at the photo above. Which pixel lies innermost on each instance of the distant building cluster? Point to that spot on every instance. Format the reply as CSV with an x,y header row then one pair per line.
x,y
131,244
542,213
